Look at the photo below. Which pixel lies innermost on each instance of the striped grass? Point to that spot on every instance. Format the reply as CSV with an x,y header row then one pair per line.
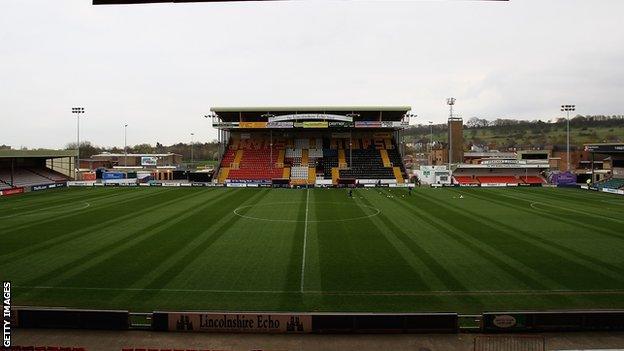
x,y
451,249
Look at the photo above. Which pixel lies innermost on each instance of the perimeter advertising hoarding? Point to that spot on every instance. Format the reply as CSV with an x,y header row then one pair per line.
x,y
113,175
81,183
613,191
47,186
502,322
149,161
239,322
12,191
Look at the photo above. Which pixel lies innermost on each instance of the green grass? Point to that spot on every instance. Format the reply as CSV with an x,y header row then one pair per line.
x,y
146,249
524,137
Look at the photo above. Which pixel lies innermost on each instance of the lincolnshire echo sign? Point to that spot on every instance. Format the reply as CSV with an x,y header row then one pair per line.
x,y
239,323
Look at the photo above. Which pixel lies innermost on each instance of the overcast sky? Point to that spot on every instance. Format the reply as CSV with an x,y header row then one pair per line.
x,y
160,67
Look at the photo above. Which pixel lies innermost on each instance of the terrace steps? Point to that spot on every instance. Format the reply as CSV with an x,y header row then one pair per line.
x,y
385,158
335,175
342,160
311,175
280,158
223,174
398,175
238,157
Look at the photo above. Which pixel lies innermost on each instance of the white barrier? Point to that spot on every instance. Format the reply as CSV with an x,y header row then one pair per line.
x,y
81,183
613,191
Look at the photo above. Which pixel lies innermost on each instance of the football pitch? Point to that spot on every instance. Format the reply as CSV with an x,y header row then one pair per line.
x,y
448,249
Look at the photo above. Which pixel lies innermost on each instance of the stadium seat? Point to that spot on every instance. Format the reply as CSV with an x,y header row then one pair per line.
x,y
465,180
532,179
365,164
304,155
612,183
25,177
499,179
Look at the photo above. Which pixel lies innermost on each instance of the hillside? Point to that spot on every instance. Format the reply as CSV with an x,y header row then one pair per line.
x,y
505,133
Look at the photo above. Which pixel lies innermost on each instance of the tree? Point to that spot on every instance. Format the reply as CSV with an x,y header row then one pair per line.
x,y
86,149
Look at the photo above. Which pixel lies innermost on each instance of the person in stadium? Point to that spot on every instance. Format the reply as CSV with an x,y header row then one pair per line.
x,y
350,192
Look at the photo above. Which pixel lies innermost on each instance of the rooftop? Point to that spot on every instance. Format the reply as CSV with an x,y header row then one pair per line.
x,y
39,153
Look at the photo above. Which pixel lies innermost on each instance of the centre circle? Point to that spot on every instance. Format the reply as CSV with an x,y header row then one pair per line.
x,y
317,212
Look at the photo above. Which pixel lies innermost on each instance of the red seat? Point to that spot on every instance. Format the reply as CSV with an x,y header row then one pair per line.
x,y
466,180
532,180
499,179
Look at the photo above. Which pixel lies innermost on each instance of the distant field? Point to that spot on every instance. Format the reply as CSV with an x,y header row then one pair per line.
x,y
146,249
555,135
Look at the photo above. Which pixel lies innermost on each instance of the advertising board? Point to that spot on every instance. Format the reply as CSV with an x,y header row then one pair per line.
x,y
239,322
149,161
334,124
12,191
113,175
253,124
80,183
368,124
315,124
279,125
47,186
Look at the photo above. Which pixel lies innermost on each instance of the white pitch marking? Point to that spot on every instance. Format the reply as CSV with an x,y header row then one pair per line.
x,y
305,240
236,212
